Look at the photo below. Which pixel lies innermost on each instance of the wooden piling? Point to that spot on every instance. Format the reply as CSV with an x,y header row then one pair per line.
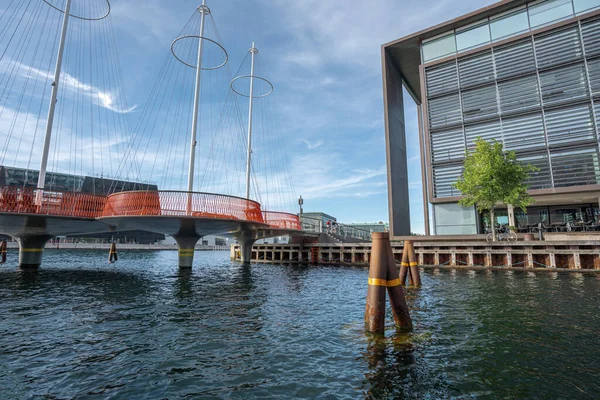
x,y
375,310
396,294
414,268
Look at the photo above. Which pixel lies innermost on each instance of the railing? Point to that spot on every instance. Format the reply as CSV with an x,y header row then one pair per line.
x,y
281,220
21,200
173,203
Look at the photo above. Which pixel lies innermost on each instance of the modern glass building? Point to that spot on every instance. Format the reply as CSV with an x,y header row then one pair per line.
x,y
524,73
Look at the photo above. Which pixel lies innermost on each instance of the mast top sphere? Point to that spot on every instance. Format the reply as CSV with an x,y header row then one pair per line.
x,y
86,18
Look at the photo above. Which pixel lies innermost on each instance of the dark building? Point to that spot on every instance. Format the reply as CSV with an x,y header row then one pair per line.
x,y
526,73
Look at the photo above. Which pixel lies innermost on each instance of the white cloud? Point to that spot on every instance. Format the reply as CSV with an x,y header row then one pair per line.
x,y
71,84
312,145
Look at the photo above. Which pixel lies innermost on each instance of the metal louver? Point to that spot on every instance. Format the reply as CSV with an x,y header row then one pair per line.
x,y
443,178
590,30
476,70
540,179
576,167
441,79
563,84
514,59
479,103
519,95
447,145
524,132
444,111
568,125
558,47
487,131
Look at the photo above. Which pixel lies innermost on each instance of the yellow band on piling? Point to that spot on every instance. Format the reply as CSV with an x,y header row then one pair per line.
x,y
113,252
186,252
404,264
384,282
32,250
413,264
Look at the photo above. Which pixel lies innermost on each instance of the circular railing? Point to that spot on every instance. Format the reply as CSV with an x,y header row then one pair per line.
x,y
176,203
19,200
282,220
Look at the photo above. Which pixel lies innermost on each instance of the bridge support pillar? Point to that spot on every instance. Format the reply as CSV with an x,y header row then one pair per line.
x,y
186,245
31,250
246,250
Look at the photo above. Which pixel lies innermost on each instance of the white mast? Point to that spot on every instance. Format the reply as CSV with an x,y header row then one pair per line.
x,y
203,9
253,51
61,48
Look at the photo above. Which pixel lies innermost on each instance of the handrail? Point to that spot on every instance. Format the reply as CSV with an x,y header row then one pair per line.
x,y
282,220
178,203
20,200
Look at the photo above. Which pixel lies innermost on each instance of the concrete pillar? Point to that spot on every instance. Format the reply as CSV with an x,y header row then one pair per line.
x,y
436,258
576,260
186,249
31,250
508,259
530,260
470,261
453,258
552,260
246,244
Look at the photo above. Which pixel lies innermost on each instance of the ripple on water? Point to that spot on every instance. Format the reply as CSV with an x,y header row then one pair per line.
x,y
141,328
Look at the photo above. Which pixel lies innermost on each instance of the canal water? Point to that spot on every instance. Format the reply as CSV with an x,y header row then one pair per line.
x,y
80,328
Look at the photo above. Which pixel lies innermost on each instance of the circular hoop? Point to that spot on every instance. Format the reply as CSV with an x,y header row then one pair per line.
x,y
255,77
201,38
77,16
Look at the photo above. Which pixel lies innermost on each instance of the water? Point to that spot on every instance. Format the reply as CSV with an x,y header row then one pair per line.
x,y
80,328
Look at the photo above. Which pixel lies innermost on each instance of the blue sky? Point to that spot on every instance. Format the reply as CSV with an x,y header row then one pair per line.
x,y
323,56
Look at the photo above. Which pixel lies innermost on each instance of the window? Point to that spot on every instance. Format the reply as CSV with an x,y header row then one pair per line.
x,y
549,11
438,48
582,6
509,25
473,37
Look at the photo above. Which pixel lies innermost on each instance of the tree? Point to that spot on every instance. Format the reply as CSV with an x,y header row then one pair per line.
x,y
492,175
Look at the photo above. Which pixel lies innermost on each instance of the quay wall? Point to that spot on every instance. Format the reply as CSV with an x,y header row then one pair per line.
x,y
572,255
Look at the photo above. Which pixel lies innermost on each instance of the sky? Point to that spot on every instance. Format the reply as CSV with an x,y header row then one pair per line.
x,y
323,58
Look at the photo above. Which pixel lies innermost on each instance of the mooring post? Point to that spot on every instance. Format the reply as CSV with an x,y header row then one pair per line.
x,y
375,310
112,253
415,276
3,252
396,293
404,265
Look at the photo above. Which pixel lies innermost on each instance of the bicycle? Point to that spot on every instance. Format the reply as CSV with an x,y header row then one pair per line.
x,y
502,233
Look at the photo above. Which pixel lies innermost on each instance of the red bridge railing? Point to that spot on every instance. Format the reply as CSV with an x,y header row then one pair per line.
x,y
175,203
282,220
19,200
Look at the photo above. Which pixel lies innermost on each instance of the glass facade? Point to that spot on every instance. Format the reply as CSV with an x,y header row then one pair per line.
x,y
535,15
540,96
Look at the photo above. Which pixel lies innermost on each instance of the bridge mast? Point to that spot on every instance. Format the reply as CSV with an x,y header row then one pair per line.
x,y
203,10
51,110
253,51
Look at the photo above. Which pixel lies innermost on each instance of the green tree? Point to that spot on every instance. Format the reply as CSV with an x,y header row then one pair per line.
x,y
492,175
